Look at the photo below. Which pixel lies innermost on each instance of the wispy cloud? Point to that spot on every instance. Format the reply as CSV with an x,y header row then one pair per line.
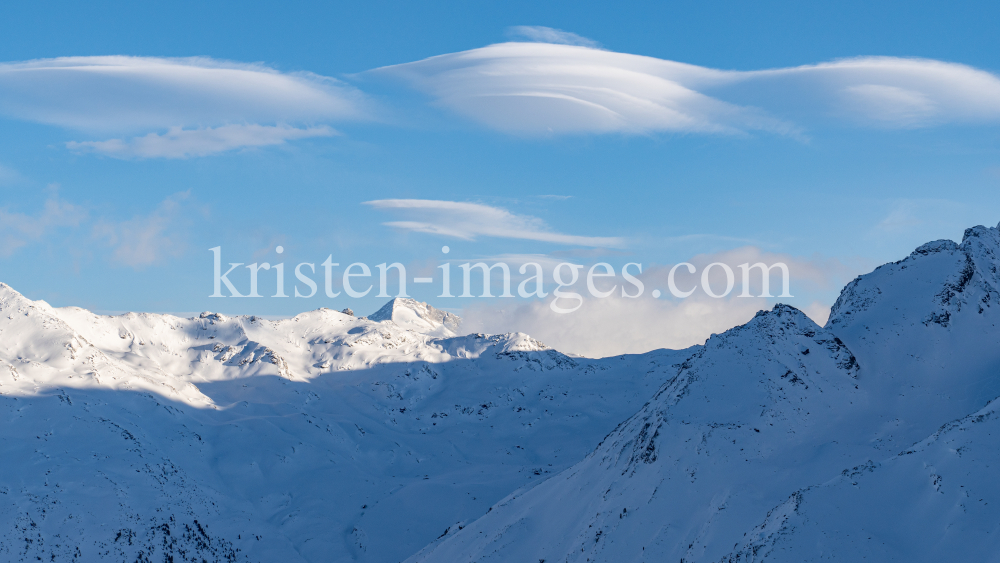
x,y
558,88
808,274
19,229
542,34
145,240
917,220
700,237
185,143
203,103
470,220
8,175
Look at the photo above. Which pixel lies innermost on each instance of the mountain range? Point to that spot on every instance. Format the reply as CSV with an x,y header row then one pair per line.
x,y
326,437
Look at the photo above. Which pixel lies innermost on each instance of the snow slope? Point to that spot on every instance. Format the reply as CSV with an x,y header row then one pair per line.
x,y
330,438
318,438
872,438
418,317
934,501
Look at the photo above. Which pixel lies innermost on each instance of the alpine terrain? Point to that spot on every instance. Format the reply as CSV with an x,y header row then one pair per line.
x,y
327,437
874,438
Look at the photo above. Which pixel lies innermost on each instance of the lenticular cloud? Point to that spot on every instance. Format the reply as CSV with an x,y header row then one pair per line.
x,y
467,221
542,87
547,88
178,108
131,94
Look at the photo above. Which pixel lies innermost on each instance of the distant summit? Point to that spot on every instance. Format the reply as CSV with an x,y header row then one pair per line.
x,y
418,317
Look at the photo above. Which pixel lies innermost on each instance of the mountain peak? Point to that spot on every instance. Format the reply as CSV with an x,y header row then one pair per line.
x,y
418,316
943,245
8,292
979,231
939,283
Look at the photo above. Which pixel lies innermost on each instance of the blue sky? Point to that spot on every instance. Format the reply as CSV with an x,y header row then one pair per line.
x,y
695,130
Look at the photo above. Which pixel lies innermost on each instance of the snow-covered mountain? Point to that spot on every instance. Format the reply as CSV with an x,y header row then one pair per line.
x,y
331,438
873,438
318,438
418,317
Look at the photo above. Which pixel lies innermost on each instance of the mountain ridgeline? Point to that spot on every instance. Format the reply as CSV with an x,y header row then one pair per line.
x,y
326,437
872,438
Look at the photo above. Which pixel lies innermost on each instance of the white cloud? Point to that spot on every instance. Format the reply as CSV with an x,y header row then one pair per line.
x,y
541,88
919,220
890,103
806,273
129,93
618,325
205,105
818,312
470,220
555,88
19,229
8,175
145,240
891,91
544,34
185,143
